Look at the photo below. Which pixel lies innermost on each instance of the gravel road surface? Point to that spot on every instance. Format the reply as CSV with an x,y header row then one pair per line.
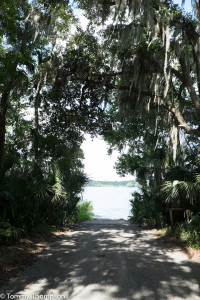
x,y
106,260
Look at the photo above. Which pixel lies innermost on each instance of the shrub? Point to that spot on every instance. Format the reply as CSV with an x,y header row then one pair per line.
x,y
188,232
85,211
146,210
9,233
34,201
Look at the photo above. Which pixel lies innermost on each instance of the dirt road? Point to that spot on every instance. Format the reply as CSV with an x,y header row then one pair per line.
x,y
106,260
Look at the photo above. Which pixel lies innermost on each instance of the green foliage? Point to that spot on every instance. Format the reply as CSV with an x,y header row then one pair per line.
x,y
177,191
51,105
85,211
154,113
32,201
131,85
188,232
182,190
9,233
146,210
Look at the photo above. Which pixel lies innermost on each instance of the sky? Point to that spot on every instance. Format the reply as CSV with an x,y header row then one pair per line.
x,y
187,6
98,164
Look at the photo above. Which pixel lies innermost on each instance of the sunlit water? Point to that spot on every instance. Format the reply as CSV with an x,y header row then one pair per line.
x,y
109,202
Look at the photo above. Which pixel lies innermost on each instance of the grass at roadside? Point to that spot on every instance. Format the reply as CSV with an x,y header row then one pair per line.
x,y
85,211
186,233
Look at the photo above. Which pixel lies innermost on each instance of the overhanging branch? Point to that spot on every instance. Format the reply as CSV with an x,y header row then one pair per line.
x,y
173,110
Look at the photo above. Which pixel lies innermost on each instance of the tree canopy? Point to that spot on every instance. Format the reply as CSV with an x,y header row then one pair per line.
x,y
133,76
153,83
45,109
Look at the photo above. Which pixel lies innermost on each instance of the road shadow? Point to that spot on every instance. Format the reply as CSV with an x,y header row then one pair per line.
x,y
110,261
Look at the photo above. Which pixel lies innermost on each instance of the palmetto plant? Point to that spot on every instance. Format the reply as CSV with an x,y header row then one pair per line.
x,y
182,192
177,190
28,199
145,209
22,198
58,190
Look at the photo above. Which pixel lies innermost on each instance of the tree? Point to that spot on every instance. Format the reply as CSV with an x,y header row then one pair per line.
x,y
30,36
152,48
153,59
48,68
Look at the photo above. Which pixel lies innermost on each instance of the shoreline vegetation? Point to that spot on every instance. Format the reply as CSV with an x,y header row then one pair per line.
x,y
129,183
85,211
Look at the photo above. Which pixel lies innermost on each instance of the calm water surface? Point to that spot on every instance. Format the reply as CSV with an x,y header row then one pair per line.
x,y
109,202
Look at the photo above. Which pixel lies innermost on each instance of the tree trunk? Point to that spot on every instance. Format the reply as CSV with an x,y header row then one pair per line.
x,y
36,135
36,108
3,109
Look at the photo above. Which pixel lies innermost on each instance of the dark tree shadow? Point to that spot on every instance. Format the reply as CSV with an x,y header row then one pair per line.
x,y
110,262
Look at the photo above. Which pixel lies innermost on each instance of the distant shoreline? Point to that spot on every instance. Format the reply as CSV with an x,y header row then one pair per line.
x,y
129,183
119,186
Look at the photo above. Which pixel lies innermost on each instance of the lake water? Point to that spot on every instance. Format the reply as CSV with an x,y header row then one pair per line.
x,y
109,202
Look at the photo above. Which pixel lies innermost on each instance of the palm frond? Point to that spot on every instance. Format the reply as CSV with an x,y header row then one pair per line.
x,y
43,190
177,189
197,179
